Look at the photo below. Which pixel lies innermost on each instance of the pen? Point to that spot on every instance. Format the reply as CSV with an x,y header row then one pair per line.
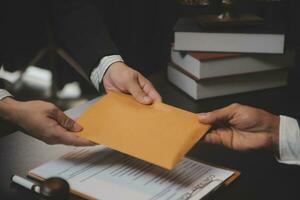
x,y
54,187
25,183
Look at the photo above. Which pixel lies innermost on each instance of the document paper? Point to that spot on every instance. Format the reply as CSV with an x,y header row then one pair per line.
x,y
101,173
157,133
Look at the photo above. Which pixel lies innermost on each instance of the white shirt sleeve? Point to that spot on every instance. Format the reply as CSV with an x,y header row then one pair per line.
x,y
289,141
4,93
98,73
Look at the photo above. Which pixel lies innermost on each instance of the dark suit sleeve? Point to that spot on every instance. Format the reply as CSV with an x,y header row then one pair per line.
x,y
298,120
81,31
1,84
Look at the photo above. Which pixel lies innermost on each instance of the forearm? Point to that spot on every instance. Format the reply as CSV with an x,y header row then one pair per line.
x,y
8,107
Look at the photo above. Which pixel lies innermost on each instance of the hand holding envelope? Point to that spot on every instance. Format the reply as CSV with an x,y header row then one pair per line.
x,y
157,133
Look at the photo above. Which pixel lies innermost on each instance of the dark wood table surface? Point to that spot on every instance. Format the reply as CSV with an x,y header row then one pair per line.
x,y
262,177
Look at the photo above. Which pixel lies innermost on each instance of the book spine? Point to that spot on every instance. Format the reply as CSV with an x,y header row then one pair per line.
x,y
183,82
213,68
187,62
226,85
222,42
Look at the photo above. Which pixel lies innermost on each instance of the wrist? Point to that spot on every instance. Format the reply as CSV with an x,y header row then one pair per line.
x,y
275,133
8,106
116,66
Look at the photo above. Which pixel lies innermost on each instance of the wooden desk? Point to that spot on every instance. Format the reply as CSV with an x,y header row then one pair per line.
x,y
262,177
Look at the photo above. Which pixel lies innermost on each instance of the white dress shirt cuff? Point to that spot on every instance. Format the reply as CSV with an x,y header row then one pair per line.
x,y
4,93
289,141
98,73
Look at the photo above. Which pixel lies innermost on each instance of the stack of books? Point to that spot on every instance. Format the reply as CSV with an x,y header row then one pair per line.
x,y
215,63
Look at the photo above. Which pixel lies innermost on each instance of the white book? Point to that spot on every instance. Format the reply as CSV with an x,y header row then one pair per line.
x,y
214,87
204,65
189,36
101,173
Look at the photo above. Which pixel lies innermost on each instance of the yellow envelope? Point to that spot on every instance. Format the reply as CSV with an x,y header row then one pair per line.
x,y
157,133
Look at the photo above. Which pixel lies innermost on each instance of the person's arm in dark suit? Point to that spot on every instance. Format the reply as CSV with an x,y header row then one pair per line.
x,y
81,31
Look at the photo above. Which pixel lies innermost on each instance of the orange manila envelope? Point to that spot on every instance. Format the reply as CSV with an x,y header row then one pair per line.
x,y
157,133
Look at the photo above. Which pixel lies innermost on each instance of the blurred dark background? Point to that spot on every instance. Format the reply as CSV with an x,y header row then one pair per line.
x,y
141,30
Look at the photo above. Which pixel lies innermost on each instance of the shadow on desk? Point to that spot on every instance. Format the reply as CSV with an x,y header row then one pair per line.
x,y
262,177
6,128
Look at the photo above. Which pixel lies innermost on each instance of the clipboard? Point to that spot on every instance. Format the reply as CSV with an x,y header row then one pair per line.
x,y
201,185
